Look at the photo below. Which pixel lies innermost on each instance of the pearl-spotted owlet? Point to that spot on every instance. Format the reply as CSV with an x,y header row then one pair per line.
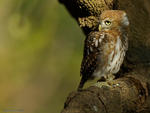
x,y
104,49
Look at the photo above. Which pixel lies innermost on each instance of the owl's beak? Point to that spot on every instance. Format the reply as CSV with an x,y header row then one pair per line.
x,y
99,27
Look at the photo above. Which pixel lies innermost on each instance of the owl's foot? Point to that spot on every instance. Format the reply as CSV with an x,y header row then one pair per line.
x,y
110,77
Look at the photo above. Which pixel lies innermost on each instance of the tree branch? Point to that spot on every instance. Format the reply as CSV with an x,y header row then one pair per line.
x,y
130,93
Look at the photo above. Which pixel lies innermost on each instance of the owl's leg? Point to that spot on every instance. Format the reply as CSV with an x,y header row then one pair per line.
x,y
109,77
102,79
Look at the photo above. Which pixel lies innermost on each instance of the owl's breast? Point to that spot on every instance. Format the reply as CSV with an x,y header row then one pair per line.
x,y
116,57
111,57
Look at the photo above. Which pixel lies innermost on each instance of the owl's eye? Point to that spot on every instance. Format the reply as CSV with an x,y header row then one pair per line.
x,y
107,22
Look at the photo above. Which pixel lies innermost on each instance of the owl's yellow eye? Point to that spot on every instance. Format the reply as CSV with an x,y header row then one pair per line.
x,y
107,22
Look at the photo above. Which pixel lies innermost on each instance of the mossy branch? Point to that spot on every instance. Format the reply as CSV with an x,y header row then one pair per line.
x,y
124,95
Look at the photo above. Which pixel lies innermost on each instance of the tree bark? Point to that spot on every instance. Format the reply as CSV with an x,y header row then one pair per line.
x,y
130,92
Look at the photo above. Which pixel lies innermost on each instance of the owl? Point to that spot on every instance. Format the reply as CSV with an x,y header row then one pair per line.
x,y
105,48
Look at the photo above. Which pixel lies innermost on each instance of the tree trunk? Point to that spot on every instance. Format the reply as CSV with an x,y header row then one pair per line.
x,y
130,92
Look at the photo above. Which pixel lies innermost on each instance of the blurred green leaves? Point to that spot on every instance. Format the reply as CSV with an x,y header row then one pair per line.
x,y
40,54
18,27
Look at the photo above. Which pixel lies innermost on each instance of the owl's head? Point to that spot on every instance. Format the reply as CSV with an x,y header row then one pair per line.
x,y
113,19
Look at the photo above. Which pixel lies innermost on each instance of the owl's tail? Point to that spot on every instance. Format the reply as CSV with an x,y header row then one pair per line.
x,y
81,84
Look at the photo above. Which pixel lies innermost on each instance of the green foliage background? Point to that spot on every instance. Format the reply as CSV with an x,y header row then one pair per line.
x,y
40,54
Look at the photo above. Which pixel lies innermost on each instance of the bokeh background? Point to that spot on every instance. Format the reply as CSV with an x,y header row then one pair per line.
x,y
40,54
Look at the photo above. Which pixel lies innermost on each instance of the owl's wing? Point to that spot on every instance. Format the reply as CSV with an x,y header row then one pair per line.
x,y
92,51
